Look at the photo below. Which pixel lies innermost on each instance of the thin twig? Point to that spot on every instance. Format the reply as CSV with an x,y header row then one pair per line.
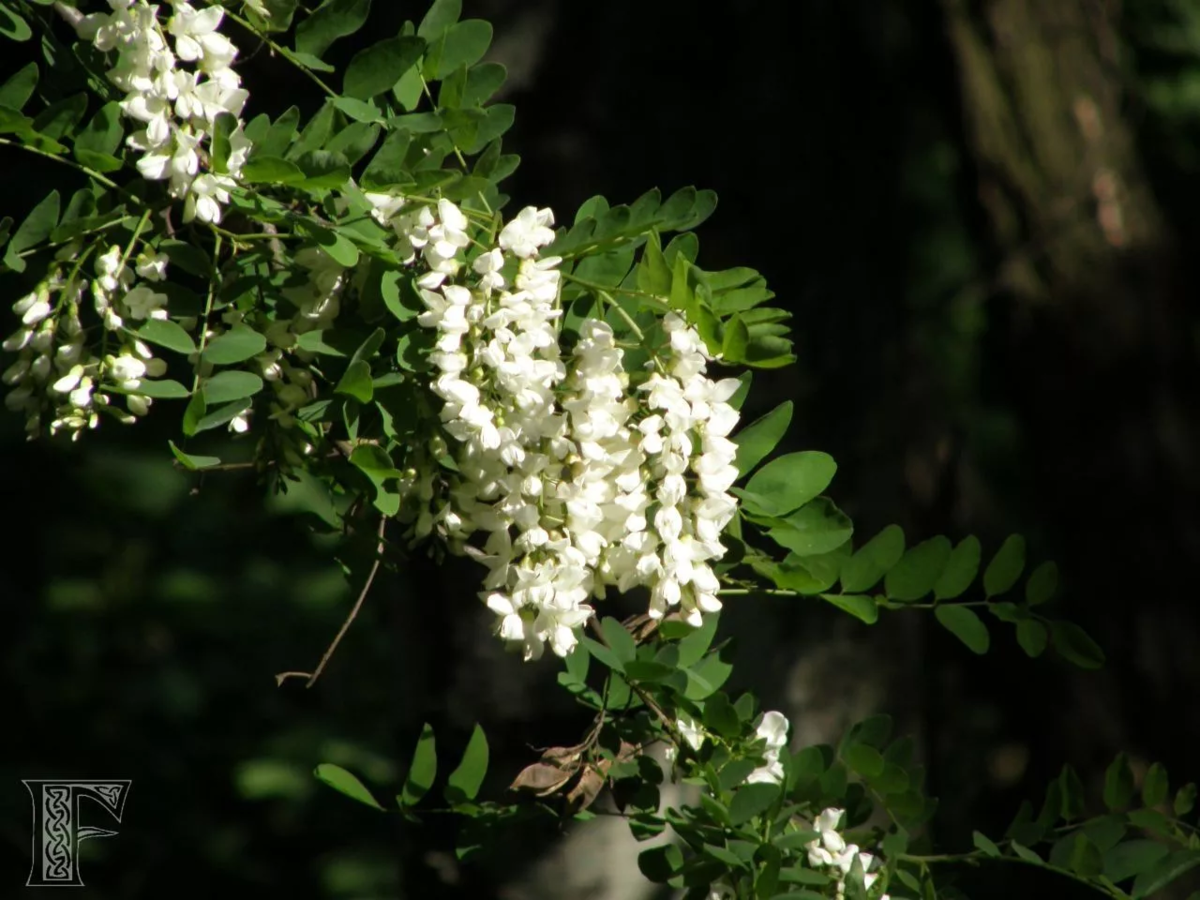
x,y
312,679
642,693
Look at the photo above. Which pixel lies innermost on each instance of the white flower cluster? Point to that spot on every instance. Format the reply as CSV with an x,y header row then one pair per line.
x,y
579,481
177,106
772,729
54,367
830,851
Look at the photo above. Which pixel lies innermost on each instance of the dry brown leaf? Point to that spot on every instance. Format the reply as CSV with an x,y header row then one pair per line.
x,y
586,790
562,756
541,778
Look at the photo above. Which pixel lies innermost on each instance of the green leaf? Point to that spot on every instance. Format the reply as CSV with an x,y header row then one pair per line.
x,y
236,345
602,653
756,441
37,225
340,248
620,641
752,800
358,110
222,415
60,118
1032,636
323,170
819,527
1085,857
161,389
1026,854
271,170
721,718
858,605
869,563
375,69
342,781
984,843
787,483
277,138
166,333
230,385
960,570
1071,794
696,642
1042,584
193,463
482,82
1006,566
1170,869
1075,646
463,45
1131,858
422,771
374,462
16,91
352,143
193,414
680,297
865,760
964,625
391,288
333,19
103,133
1118,783
12,26
279,15
706,677
1185,800
1155,786
659,864
465,781
409,89
387,165
918,570
439,19
356,382
653,273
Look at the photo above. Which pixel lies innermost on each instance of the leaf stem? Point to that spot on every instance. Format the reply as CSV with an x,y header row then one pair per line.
x,y
208,307
282,51
78,167
462,161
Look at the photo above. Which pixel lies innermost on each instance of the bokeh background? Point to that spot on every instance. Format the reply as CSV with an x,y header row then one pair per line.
x,y
984,217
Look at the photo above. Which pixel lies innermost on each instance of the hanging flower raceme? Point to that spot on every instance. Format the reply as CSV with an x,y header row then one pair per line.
x,y
57,372
580,482
178,80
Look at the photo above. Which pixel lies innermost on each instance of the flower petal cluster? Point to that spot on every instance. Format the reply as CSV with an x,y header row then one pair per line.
x,y
178,79
56,371
773,729
580,480
830,851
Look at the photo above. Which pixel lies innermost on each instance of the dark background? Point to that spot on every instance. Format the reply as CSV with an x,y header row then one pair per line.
x,y
984,218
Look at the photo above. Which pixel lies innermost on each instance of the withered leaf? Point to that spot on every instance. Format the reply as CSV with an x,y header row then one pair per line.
x,y
586,790
541,778
562,756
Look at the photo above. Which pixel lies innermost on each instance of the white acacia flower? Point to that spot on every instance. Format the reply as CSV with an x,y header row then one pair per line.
x,y
773,730
143,302
151,265
689,730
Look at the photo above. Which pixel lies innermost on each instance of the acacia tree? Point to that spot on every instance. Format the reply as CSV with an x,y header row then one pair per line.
x,y
348,296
